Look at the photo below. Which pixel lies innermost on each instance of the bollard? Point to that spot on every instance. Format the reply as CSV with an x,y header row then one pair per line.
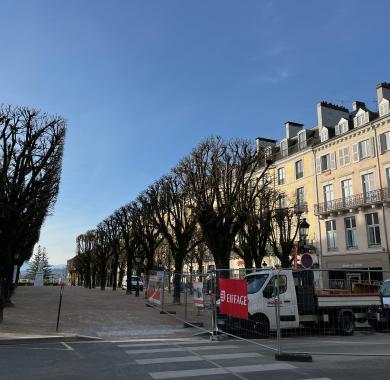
x,y
59,306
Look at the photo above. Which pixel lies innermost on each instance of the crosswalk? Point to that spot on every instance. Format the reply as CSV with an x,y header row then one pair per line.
x,y
200,358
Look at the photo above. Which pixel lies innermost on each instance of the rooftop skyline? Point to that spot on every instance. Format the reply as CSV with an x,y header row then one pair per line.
x,y
141,84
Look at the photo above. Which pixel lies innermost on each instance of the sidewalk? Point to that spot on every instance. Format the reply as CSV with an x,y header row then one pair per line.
x,y
91,312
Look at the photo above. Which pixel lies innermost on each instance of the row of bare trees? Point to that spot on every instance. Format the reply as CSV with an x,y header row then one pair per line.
x,y
218,200
31,149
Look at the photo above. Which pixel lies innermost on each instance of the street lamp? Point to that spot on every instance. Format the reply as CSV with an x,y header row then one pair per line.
x,y
303,231
137,260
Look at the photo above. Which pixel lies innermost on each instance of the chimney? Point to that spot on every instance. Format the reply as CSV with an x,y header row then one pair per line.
x,y
292,129
328,114
262,143
383,91
356,105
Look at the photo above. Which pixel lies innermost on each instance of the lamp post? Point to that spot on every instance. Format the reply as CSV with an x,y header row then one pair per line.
x,y
303,232
137,260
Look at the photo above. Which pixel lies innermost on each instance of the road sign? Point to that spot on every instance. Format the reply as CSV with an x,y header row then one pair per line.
x,y
306,261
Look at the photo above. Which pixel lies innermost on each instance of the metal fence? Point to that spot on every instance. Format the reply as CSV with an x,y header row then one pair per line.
x,y
281,309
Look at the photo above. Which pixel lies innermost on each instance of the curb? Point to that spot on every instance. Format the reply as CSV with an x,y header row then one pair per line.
x,y
46,339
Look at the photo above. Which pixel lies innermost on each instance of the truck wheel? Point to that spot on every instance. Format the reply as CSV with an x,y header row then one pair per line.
x,y
261,326
345,324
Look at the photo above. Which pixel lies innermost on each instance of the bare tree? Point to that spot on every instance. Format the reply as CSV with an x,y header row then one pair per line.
x,y
172,203
253,237
284,231
102,252
31,149
124,219
148,236
85,253
111,227
218,172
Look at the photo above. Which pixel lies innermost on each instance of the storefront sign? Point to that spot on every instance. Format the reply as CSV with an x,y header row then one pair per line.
x,y
234,298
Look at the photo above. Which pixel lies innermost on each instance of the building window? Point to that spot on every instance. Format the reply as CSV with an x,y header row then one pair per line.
x,y
363,149
282,200
373,232
361,119
328,196
298,169
331,235
324,135
368,187
300,196
344,157
284,148
384,142
302,140
341,128
350,232
326,162
281,177
347,192
388,180
384,109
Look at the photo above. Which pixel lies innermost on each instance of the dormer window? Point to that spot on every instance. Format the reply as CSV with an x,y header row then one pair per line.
x,y
341,127
284,148
302,140
384,107
324,134
361,118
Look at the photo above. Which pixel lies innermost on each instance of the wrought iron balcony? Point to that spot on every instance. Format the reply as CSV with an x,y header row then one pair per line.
x,y
354,201
301,207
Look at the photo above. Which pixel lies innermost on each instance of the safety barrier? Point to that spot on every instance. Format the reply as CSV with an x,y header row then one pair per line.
x,y
302,311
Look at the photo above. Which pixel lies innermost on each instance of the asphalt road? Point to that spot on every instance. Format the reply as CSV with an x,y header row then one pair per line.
x,y
193,358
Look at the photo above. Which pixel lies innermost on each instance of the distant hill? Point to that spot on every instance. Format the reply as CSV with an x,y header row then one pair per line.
x,y
55,268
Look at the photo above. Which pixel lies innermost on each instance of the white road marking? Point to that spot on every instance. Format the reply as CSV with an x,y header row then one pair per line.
x,y
158,340
67,346
181,359
220,371
238,355
260,367
318,378
177,359
188,373
162,344
178,349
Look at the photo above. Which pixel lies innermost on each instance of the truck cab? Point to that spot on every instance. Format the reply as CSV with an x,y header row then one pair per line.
x,y
379,315
266,290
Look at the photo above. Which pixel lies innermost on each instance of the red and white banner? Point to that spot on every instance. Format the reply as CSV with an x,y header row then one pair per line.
x,y
197,288
234,298
154,290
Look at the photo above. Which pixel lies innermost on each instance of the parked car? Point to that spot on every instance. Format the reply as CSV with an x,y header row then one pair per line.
x,y
133,283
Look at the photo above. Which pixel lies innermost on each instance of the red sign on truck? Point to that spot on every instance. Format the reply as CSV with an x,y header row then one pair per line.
x,y
234,298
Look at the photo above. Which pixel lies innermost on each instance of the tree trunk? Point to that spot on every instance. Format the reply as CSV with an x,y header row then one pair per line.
x,y
129,271
102,275
177,281
115,270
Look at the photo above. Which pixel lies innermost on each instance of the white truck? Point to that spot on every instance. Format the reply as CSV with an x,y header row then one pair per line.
x,y
379,315
300,304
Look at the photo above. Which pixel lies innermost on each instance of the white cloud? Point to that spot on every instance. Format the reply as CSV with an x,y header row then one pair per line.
x,y
273,77
276,51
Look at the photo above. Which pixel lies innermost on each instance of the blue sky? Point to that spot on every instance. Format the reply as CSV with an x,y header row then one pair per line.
x,y
142,82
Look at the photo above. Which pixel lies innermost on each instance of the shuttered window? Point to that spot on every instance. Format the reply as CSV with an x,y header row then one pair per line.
x,y
344,157
384,142
363,149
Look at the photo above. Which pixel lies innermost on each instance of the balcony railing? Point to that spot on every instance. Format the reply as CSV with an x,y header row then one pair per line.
x,y
353,201
301,207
